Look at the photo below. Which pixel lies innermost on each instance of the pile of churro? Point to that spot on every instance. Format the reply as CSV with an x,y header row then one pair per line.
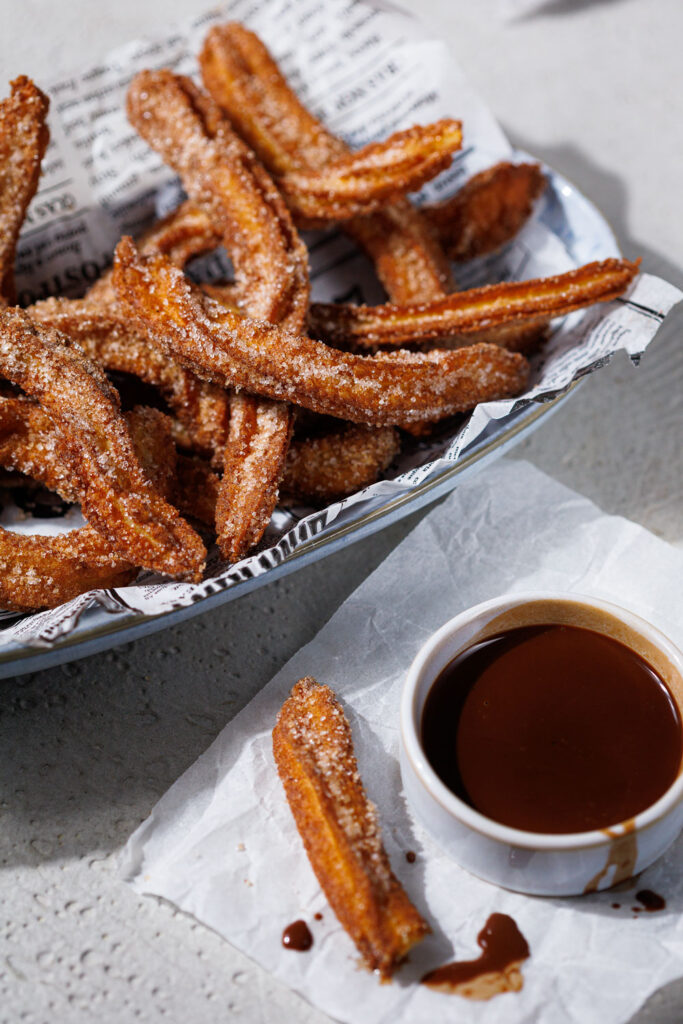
x,y
263,396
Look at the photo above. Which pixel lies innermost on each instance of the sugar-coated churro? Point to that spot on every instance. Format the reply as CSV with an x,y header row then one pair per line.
x,y
337,463
107,337
487,211
23,140
271,265
41,571
248,85
395,388
313,751
479,309
116,496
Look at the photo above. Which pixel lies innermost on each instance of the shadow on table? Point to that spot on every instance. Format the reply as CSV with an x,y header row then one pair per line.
x,y
609,423
87,749
563,8
608,192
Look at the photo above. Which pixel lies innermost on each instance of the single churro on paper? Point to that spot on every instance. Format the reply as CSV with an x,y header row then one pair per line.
x,y
313,751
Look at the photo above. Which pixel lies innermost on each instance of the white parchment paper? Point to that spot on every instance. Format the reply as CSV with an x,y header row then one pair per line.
x,y
366,69
221,844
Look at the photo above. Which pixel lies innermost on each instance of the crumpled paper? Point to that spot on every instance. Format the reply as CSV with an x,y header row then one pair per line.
x,y
222,845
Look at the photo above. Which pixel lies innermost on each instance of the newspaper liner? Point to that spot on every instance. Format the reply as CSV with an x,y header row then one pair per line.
x,y
366,71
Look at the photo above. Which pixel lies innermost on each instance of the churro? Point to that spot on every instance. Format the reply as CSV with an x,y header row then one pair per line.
x,y
337,463
480,309
115,494
23,140
246,82
370,178
338,825
271,265
382,390
107,337
41,571
488,211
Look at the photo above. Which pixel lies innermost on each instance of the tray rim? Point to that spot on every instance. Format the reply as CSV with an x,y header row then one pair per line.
x,y
123,627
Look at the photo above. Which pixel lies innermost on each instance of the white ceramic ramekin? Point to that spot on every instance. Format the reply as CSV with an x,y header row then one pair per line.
x,y
536,863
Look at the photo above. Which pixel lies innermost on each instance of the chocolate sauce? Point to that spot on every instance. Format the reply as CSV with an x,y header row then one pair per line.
x,y
652,901
553,729
297,936
411,856
503,948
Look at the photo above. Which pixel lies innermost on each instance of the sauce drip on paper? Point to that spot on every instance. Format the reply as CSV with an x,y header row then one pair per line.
x,y
297,936
496,970
651,901
553,729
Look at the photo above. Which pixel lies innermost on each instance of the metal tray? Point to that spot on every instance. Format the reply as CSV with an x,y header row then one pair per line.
x,y
589,237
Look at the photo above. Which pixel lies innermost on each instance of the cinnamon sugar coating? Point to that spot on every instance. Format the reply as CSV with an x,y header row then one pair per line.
x,y
23,140
339,827
479,309
42,572
395,388
116,496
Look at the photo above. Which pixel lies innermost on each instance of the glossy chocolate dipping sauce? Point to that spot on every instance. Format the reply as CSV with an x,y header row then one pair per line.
x,y
297,936
553,729
503,947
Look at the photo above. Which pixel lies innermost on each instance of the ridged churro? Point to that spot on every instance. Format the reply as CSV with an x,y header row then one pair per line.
x,y
488,211
488,308
107,337
337,463
248,85
338,825
394,388
44,571
116,496
370,178
23,140
271,265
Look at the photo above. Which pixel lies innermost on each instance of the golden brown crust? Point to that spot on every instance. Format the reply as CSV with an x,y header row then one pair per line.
x,y
39,571
224,178
196,489
488,211
271,265
23,140
32,445
478,309
313,751
245,81
253,465
108,338
184,233
406,253
43,572
116,496
370,178
336,464
394,388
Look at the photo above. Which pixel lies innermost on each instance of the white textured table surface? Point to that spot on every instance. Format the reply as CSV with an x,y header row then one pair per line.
x,y
87,749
